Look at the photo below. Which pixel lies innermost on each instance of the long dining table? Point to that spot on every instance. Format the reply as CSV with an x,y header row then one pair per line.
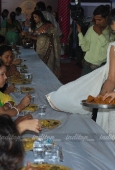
x,y
84,144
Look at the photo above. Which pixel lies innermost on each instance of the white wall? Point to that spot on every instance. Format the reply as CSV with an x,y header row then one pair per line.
x,y
90,7
12,4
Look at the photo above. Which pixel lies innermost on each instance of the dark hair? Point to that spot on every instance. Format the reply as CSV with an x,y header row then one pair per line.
x,y
2,39
111,18
4,48
12,16
49,7
18,9
38,13
11,148
6,12
102,10
41,6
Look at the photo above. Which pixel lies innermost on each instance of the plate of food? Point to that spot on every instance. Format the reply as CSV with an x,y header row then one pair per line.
x,y
19,80
28,143
27,89
50,123
49,167
32,107
98,102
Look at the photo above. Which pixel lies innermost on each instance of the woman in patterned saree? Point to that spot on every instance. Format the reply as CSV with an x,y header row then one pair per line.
x,y
48,42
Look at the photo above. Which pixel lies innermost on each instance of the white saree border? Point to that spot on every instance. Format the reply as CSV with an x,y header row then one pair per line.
x,y
51,104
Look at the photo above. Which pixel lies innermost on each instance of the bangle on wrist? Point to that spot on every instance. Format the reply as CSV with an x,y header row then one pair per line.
x,y
16,110
10,105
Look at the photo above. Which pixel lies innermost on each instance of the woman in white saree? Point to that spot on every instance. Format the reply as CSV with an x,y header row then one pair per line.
x,y
101,81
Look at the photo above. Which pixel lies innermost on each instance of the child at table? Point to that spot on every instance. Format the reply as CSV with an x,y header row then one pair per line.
x,y
7,105
7,58
6,102
11,147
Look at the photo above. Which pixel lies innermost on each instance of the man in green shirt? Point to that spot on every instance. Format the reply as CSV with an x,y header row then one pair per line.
x,y
96,40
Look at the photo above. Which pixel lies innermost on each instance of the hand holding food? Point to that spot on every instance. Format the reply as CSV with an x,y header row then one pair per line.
x,y
25,102
32,125
111,96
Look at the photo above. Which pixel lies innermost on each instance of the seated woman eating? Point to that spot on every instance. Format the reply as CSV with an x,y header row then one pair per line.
x,y
7,58
6,102
7,105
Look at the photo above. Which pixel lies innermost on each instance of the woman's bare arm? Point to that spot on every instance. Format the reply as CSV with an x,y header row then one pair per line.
x,y
11,112
18,108
109,84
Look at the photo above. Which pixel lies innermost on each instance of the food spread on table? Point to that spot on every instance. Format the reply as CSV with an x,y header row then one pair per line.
x,y
49,167
32,108
99,100
50,123
28,143
19,80
27,89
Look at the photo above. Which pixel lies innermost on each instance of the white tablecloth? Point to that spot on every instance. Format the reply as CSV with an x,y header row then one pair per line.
x,y
85,145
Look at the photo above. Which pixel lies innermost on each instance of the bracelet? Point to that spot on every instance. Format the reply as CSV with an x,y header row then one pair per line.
x,y
9,104
16,110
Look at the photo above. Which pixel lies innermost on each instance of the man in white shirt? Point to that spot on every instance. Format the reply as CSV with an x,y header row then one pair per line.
x,y
20,17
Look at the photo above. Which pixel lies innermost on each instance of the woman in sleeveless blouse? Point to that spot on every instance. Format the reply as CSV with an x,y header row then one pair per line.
x,y
99,82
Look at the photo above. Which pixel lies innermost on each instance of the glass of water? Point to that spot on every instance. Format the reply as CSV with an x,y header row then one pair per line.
x,y
32,99
42,109
39,154
38,151
55,153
